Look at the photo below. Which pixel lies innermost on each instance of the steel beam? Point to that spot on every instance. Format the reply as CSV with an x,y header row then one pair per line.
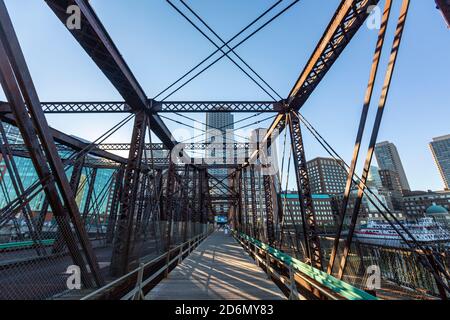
x,y
121,251
162,107
361,128
246,211
90,192
444,6
61,138
254,205
312,241
270,225
116,195
348,18
160,146
375,131
21,93
97,43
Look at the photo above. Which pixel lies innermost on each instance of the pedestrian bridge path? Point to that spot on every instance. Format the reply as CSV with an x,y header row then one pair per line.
x,y
219,269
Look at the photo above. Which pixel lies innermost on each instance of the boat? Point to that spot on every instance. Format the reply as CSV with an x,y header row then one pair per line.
x,y
424,231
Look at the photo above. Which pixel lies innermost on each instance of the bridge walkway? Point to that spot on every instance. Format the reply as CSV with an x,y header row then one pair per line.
x,y
218,269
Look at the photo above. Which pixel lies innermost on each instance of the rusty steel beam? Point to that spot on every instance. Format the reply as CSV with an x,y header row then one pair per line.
x,y
361,128
444,7
121,250
311,237
115,201
270,223
245,189
254,205
62,138
97,43
70,107
376,127
348,18
21,94
186,146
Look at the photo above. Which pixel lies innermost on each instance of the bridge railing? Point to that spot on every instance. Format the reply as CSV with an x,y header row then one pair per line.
x,y
135,284
298,279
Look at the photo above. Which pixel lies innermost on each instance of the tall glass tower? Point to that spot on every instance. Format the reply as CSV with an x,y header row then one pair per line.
x,y
440,147
388,158
217,124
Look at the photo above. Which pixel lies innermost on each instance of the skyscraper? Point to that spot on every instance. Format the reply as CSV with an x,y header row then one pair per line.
x,y
326,175
217,123
388,158
440,147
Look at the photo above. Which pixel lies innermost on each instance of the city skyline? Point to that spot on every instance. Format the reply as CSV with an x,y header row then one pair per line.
x,y
337,100
119,184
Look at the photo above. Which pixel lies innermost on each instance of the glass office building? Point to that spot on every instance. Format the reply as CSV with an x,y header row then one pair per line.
x,y
388,158
440,147
28,177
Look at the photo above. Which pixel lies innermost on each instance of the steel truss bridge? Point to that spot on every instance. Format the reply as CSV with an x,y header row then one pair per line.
x,y
151,212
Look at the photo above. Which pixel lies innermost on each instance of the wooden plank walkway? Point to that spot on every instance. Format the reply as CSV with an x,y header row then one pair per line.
x,y
219,269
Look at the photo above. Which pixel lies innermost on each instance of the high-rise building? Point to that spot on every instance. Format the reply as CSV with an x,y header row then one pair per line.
x,y
392,189
388,158
322,208
217,124
374,178
390,180
326,175
440,147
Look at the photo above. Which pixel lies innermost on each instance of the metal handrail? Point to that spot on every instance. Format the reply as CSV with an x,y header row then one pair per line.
x,y
140,284
314,277
193,242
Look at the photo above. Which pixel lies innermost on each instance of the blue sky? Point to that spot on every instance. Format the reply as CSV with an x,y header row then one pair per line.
x,y
159,46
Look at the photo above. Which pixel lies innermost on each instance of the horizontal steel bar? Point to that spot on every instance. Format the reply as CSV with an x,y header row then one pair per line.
x,y
63,139
162,107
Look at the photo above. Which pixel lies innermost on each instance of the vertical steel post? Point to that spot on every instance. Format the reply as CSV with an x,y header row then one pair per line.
x,y
89,195
312,241
254,205
239,221
185,201
121,250
167,213
270,227
117,191
74,182
246,211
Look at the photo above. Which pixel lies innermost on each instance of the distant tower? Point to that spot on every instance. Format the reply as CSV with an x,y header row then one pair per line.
x,y
440,147
219,122
389,159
